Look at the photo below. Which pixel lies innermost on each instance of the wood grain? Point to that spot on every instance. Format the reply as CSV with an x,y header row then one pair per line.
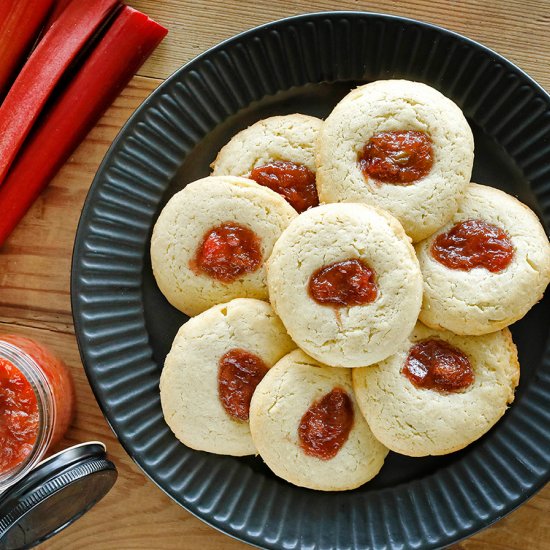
x,y
516,29
35,262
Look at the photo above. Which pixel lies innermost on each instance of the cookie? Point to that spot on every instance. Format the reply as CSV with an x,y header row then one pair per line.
x,y
308,429
419,408
216,361
346,283
278,152
487,267
211,241
399,145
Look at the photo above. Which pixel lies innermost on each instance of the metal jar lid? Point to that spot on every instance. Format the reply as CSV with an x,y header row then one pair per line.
x,y
54,495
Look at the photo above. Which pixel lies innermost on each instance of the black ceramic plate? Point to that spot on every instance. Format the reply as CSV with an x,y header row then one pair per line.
x,y
125,326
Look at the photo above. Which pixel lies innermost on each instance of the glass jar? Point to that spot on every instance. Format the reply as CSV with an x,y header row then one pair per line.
x,y
35,366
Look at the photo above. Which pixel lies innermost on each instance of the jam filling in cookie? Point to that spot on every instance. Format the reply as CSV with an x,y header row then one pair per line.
x,y
435,364
227,252
325,426
295,182
239,373
474,243
401,157
347,283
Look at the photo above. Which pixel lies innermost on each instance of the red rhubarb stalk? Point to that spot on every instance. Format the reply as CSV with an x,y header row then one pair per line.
x,y
58,8
129,41
20,24
43,70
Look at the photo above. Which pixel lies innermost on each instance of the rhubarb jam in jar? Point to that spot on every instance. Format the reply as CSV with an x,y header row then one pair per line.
x,y
36,405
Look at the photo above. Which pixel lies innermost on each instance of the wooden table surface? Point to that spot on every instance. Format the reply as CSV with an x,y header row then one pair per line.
x,y
35,262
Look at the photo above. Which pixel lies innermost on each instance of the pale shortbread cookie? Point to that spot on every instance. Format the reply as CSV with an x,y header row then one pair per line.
x,y
290,138
189,382
189,215
353,336
478,301
393,105
420,422
281,399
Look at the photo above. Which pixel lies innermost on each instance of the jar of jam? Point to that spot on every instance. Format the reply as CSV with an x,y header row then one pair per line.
x,y
36,405
41,493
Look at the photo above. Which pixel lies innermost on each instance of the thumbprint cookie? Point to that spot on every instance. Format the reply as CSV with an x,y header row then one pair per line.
x,y
211,241
399,145
487,267
439,392
345,281
278,152
308,429
216,361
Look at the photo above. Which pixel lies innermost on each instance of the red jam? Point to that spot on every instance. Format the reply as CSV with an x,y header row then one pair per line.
x,y
347,283
474,243
59,379
435,364
326,425
227,252
239,373
397,157
295,182
19,417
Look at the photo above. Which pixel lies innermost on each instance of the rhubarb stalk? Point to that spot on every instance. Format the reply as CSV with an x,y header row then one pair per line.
x,y
57,10
125,46
20,24
43,70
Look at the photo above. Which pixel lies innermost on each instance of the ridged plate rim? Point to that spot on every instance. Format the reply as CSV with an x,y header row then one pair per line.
x,y
93,365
